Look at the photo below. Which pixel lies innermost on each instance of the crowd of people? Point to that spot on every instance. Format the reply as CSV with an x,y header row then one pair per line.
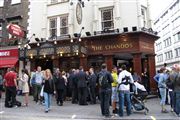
x,y
86,87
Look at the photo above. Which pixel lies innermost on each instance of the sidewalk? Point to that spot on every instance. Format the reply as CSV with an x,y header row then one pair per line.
x,y
74,111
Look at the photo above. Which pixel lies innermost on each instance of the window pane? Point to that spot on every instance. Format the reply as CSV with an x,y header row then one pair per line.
x,y
107,15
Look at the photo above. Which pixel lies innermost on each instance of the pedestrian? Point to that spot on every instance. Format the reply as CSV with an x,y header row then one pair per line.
x,y
32,83
82,86
38,76
1,84
105,79
162,88
176,83
92,86
48,89
73,86
25,86
114,96
124,81
65,90
59,86
10,88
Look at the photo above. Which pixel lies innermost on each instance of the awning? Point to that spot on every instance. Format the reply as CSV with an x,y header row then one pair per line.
x,y
8,62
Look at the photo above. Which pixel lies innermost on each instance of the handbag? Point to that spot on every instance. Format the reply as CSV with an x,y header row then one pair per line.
x,y
42,91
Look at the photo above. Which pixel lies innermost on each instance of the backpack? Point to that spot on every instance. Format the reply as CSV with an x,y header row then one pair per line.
x,y
103,81
126,80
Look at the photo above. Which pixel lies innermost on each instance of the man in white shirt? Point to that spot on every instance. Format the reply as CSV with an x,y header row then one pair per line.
x,y
124,80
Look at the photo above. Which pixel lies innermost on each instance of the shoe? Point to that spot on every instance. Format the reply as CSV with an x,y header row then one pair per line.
x,y
164,111
46,111
61,104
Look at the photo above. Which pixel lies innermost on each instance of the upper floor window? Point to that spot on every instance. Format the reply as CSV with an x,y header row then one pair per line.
x,y
177,37
167,42
53,27
63,25
169,55
1,3
15,1
159,46
107,21
160,58
144,16
177,51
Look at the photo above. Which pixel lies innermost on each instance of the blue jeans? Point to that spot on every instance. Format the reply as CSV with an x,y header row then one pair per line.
x,y
177,102
124,96
47,99
163,95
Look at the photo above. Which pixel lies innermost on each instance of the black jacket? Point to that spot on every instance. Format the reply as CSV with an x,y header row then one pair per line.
x,y
59,82
81,79
92,80
49,86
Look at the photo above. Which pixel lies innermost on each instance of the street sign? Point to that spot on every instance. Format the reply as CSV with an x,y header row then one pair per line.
x,y
15,30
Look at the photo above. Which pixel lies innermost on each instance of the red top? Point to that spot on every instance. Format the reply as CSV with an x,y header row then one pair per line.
x,y
9,79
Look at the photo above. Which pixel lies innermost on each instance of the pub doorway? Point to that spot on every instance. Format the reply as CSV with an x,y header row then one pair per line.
x,y
68,63
45,64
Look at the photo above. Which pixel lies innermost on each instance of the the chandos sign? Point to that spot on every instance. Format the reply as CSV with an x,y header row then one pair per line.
x,y
15,30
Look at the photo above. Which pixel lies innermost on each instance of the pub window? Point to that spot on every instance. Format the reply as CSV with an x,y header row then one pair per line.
x,y
15,1
53,27
177,51
107,21
63,25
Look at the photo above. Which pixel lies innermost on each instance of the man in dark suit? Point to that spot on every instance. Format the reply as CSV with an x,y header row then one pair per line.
x,y
82,86
73,86
92,85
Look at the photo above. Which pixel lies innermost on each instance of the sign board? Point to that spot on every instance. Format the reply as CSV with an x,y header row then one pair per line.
x,y
15,30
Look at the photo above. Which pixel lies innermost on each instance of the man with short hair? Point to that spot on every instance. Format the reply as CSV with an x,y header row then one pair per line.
x,y
38,83
105,79
11,87
124,80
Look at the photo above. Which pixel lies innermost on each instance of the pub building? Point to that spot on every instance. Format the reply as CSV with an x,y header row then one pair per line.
x,y
135,49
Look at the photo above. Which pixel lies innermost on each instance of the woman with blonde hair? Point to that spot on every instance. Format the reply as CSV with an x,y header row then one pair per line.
x,y
48,89
25,86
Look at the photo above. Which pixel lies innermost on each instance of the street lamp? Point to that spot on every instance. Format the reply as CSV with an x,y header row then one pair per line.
x,y
23,47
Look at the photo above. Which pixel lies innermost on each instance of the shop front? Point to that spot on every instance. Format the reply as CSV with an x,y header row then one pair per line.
x,y
8,59
135,49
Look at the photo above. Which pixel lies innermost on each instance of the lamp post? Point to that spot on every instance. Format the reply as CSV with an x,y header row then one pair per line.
x,y
23,47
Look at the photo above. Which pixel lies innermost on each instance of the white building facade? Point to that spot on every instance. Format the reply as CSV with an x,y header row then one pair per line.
x,y
49,18
167,47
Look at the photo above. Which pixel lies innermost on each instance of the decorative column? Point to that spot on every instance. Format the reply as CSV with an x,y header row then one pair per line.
x,y
137,66
152,71
109,62
83,62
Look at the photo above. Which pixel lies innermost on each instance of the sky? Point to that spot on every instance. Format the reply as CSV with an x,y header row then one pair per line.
x,y
158,6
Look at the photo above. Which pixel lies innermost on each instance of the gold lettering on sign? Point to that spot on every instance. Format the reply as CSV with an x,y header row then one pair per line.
x,y
112,47
96,48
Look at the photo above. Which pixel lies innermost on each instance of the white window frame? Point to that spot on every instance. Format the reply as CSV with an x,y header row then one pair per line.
x,y
15,2
177,52
64,27
112,18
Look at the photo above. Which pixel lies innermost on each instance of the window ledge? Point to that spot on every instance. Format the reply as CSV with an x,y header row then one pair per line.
x,y
50,4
